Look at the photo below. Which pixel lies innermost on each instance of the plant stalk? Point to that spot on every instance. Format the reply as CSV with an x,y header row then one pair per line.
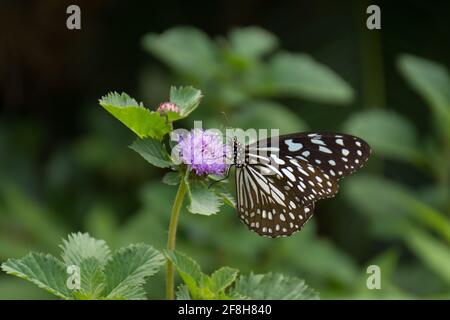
x,y
171,239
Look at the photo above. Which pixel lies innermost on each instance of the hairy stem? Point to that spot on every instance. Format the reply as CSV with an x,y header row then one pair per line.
x,y
171,239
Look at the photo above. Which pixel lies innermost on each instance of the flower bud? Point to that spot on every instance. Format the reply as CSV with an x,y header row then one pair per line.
x,y
165,107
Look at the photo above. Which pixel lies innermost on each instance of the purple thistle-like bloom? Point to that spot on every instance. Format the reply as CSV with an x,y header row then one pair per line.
x,y
204,151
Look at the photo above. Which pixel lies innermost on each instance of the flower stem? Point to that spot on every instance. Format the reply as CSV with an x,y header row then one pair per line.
x,y
171,240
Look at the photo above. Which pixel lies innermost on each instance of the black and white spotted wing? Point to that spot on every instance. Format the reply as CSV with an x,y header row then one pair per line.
x,y
265,207
336,154
277,185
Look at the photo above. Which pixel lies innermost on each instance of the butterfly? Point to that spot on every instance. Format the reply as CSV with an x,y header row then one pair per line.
x,y
277,184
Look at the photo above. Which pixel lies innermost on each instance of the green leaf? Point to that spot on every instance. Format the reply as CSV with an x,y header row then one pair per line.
x,y
135,116
44,270
92,278
35,218
273,287
81,246
228,199
183,293
223,278
301,76
186,98
435,254
189,270
127,269
388,133
252,42
171,178
153,151
432,81
320,250
260,115
184,49
391,206
203,200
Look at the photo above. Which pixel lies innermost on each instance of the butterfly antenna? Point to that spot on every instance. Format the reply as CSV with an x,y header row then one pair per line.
x,y
227,120
220,180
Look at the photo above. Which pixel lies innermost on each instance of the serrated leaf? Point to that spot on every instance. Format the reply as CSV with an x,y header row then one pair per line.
x,y
273,287
186,98
92,278
171,178
228,199
203,200
44,270
81,246
252,42
135,116
301,76
388,133
223,278
126,271
153,151
183,293
188,269
185,49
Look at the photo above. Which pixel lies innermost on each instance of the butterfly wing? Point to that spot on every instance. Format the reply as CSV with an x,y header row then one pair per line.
x,y
266,207
338,155
278,185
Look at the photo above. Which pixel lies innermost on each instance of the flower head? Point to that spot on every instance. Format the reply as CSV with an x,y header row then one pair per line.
x,y
168,106
204,151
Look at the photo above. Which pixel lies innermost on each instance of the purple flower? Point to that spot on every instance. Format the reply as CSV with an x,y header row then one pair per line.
x,y
168,106
204,151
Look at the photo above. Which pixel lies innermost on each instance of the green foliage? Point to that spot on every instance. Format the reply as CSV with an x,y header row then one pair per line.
x,y
397,207
300,75
225,284
273,287
170,47
236,71
171,178
251,42
93,280
186,98
153,151
202,199
81,246
391,206
44,270
127,269
435,254
432,81
103,275
388,133
141,121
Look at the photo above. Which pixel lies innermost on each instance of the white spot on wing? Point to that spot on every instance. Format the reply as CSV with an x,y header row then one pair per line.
x,y
318,141
324,149
293,146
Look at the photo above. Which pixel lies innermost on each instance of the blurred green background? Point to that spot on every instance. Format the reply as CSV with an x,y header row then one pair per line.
x,y
293,65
